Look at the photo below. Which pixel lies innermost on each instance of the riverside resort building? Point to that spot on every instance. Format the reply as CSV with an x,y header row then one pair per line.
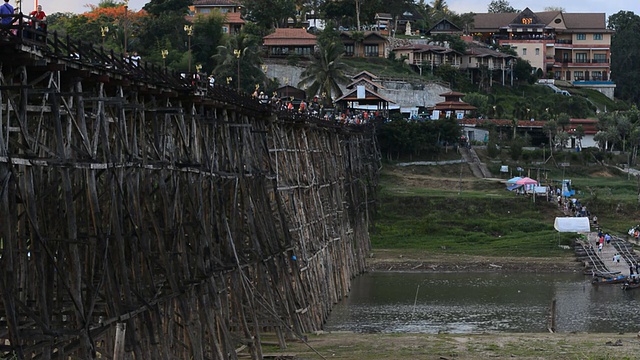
x,y
572,47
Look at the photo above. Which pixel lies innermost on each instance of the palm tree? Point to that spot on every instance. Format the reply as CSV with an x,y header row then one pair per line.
x,y
239,61
326,73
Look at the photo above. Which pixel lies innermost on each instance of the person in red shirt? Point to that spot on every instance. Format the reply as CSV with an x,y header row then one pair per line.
x,y
39,17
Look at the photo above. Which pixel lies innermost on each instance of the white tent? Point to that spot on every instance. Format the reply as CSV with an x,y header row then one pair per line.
x,y
572,224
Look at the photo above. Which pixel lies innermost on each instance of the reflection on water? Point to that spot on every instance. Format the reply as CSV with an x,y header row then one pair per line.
x,y
483,302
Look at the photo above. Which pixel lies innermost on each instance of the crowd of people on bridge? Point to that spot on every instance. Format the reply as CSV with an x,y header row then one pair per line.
x,y
314,107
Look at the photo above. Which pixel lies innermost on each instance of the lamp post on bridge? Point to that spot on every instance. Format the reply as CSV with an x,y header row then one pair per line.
x,y
164,54
126,10
103,31
237,53
189,31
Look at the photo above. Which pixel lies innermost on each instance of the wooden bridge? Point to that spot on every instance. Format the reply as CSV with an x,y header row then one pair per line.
x,y
146,216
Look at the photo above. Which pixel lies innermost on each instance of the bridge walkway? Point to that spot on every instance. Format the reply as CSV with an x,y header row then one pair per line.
x,y
602,261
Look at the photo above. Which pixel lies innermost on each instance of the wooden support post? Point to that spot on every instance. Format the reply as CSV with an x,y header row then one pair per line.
x,y
118,347
552,326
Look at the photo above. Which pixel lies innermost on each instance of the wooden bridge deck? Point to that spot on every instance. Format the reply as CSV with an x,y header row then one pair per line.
x,y
145,216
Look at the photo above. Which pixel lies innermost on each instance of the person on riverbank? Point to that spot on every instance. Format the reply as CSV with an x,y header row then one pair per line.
x,y
607,238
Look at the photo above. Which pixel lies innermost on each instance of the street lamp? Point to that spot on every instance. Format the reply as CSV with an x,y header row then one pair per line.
x,y
198,68
229,79
237,53
126,10
164,54
104,30
189,30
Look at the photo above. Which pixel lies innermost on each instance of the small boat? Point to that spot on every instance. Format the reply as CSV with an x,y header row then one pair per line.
x,y
632,283
609,280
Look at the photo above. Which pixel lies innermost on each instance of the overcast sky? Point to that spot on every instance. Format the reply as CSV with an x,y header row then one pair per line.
x,y
459,6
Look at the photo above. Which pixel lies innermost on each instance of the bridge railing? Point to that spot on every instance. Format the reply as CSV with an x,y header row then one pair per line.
x,y
24,30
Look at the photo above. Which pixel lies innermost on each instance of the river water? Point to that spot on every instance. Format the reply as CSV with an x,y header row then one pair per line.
x,y
395,302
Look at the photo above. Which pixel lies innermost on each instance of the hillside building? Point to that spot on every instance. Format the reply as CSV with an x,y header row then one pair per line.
x,y
572,47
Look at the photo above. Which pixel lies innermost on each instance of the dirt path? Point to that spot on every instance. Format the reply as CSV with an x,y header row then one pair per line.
x,y
405,260
463,346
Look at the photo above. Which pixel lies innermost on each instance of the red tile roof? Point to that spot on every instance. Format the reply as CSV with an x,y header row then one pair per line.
x,y
453,105
233,18
289,36
216,2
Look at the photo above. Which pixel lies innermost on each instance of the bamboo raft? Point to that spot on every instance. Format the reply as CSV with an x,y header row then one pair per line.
x,y
142,216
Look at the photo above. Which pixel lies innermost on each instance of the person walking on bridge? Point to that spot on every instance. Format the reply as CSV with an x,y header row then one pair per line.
x,y
6,11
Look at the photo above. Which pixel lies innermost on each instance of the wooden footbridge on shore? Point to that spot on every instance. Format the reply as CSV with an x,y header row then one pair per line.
x,y
143,215
601,264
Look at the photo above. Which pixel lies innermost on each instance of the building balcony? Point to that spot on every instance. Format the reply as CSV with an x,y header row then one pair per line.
x,y
581,61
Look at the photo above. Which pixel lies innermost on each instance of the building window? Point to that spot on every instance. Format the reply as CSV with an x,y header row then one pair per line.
x,y
303,51
581,57
537,51
600,58
225,29
596,75
348,49
371,50
224,10
581,36
597,36
578,75
204,11
524,52
279,50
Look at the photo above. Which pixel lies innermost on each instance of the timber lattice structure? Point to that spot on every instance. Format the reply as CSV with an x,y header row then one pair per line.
x,y
144,216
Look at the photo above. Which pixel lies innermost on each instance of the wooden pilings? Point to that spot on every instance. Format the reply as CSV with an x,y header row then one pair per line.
x,y
195,222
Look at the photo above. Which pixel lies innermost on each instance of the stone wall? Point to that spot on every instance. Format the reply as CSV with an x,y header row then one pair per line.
x,y
406,94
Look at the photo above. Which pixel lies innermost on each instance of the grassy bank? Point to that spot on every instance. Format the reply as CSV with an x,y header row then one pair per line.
x,y
427,208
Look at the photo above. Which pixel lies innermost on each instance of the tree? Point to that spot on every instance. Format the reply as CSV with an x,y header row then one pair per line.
x,y
563,120
501,6
439,6
522,72
207,36
270,13
579,134
325,73
160,7
550,128
107,14
238,61
561,139
623,127
625,65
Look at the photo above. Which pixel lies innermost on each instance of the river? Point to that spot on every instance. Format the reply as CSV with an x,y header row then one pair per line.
x,y
408,302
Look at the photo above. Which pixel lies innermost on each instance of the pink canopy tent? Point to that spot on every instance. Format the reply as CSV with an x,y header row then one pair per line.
x,y
527,181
